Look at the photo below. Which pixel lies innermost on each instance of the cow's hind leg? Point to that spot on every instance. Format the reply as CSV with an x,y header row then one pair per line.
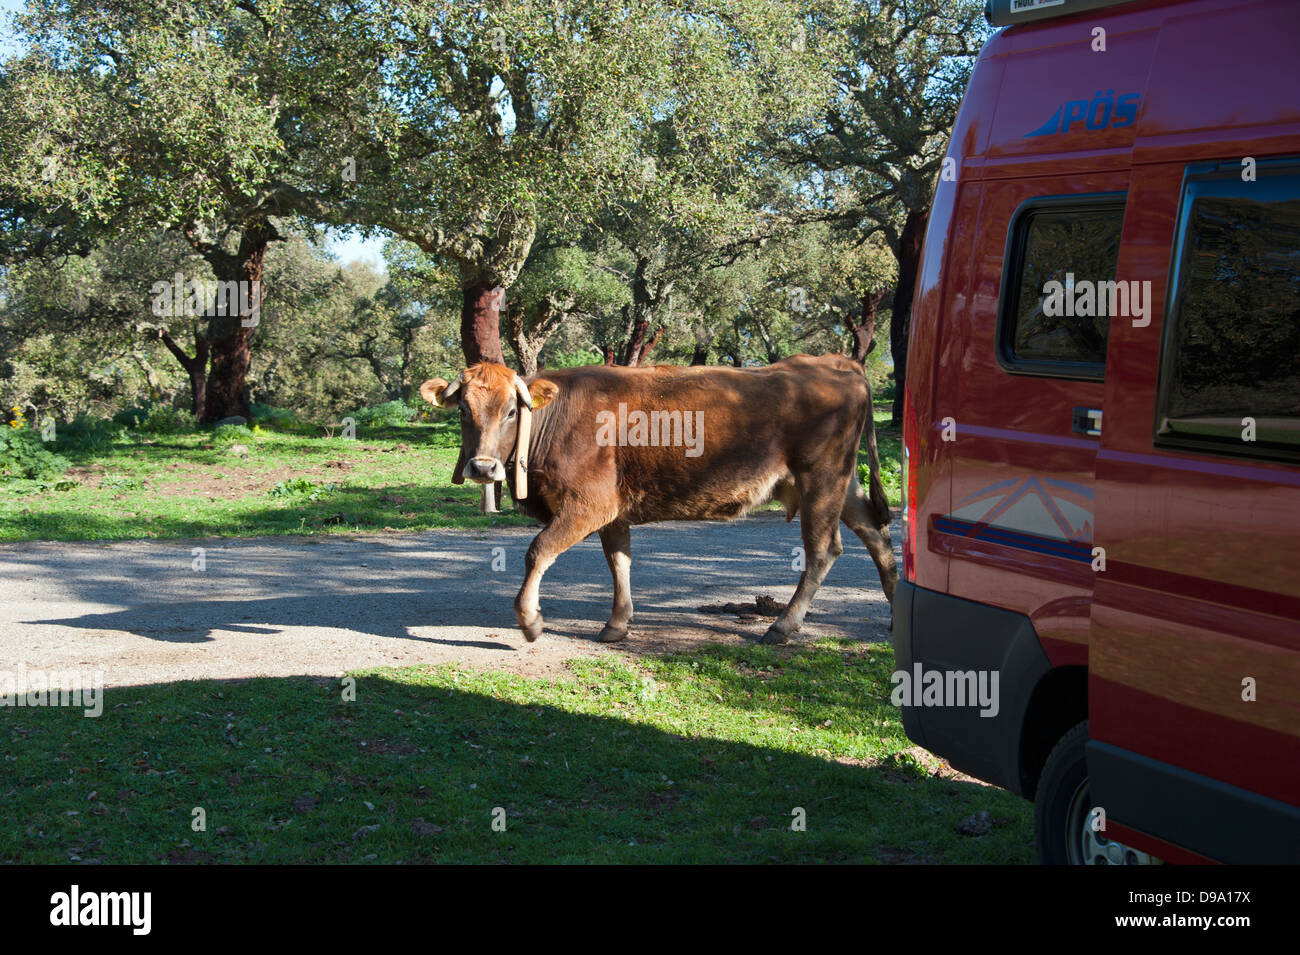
x,y
555,538
857,514
616,539
820,527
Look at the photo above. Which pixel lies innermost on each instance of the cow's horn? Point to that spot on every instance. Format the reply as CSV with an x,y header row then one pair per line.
x,y
525,435
525,396
441,400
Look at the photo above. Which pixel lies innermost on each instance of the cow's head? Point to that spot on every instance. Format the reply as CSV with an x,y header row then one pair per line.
x,y
495,411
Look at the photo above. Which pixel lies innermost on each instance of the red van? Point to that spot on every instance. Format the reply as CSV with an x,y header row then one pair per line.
x,y
1102,431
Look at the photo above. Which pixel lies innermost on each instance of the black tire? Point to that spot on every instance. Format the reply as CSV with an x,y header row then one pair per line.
x,y
1062,794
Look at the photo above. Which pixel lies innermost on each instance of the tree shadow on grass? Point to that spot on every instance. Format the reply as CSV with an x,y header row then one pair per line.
x,y
421,764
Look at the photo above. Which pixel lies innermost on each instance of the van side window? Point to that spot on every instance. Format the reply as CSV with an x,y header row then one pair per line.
x,y
1230,368
1058,286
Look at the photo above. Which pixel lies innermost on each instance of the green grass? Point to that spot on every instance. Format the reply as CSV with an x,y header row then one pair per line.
x,y
289,482
697,757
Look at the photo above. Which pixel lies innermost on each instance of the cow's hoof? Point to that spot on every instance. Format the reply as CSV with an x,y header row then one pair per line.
x,y
532,630
611,634
775,635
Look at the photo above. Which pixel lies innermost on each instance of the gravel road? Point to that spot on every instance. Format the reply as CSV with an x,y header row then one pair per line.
x,y
278,606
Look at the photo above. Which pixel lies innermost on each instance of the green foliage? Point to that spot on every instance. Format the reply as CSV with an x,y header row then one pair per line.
x,y
298,486
899,71
656,167
86,433
275,417
151,418
131,417
77,334
573,359
24,455
164,419
342,338
119,482
229,434
390,414
24,488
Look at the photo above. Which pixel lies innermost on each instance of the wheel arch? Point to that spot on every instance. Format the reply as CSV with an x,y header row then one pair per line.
x,y
1059,702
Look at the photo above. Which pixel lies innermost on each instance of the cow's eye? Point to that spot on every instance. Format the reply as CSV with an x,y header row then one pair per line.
x,y
510,414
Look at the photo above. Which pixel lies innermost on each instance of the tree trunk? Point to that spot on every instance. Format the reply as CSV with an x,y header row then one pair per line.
x,y
641,342
150,374
480,322
909,264
199,389
527,354
529,329
648,295
227,391
404,376
701,354
196,368
864,333
230,332
649,346
377,368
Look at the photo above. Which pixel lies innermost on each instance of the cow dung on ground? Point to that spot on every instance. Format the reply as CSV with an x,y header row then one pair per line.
x,y
764,605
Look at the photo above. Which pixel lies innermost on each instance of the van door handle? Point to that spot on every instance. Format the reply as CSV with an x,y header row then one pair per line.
x,y
1087,421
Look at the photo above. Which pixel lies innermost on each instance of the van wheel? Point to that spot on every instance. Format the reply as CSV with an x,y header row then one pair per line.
x,y
1063,824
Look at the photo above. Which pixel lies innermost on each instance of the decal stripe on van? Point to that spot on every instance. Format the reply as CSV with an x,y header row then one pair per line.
x,y
1068,550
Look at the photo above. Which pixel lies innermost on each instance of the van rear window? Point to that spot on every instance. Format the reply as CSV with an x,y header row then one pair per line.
x,y
1230,372
1053,320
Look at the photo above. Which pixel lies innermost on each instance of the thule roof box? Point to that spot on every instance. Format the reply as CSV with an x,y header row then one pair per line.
x,y
1009,13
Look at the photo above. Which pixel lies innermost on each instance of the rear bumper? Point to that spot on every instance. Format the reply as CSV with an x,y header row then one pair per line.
x,y
950,635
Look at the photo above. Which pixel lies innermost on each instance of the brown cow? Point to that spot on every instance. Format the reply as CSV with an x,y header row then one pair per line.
x,y
604,448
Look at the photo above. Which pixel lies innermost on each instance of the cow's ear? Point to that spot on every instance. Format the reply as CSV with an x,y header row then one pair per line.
x,y
433,390
543,392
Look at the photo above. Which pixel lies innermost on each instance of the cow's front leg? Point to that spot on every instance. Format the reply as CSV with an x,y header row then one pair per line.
x,y
555,538
616,539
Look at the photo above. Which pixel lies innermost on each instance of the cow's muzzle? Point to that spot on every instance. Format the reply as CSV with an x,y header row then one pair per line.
x,y
484,470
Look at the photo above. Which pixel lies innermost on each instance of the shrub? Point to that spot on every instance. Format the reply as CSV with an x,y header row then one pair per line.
x,y
296,486
154,419
232,434
23,455
119,482
390,414
574,359
131,417
275,417
86,433
164,419
24,488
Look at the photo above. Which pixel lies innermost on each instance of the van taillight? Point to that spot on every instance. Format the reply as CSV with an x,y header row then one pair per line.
x,y
911,450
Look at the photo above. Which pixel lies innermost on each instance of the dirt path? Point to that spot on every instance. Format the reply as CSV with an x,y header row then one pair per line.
x,y
279,606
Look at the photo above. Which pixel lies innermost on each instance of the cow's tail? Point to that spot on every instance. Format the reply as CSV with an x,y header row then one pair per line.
x,y
876,488
879,500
